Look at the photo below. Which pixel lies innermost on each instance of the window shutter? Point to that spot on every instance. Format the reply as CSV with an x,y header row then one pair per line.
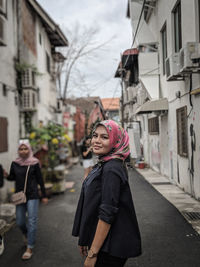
x,y
182,137
3,134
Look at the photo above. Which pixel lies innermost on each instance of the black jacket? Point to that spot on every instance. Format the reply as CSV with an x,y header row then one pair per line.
x,y
18,174
106,195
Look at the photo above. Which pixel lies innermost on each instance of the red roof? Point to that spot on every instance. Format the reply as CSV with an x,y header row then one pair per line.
x,y
110,103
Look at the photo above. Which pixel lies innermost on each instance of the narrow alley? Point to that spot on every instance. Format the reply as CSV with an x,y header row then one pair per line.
x,y
168,240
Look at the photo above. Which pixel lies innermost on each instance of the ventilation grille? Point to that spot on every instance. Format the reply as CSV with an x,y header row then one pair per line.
x,y
192,216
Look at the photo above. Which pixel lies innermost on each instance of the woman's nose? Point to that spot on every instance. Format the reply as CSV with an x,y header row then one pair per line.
x,y
97,139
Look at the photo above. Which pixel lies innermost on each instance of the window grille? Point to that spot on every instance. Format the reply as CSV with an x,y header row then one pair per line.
x,y
182,136
3,134
153,125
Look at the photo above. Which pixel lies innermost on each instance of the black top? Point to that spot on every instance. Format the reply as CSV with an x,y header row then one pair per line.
x,y
84,148
106,195
18,174
1,176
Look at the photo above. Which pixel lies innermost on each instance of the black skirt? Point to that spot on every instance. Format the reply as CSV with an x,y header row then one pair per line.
x,y
106,260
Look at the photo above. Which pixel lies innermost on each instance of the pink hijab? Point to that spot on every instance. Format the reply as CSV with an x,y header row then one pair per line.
x,y
119,141
30,160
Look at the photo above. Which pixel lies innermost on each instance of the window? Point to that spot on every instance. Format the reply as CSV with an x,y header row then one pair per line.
x,y
3,5
199,17
48,62
164,45
4,90
153,125
40,38
28,78
3,134
182,139
2,31
177,27
26,99
33,100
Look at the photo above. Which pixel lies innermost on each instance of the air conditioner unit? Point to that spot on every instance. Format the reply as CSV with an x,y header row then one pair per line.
x,y
172,67
190,57
2,31
28,78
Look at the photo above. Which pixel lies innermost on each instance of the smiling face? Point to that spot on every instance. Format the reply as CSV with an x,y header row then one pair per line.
x,y
100,141
23,151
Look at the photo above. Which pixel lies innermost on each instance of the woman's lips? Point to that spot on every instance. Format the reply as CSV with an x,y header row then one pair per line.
x,y
96,147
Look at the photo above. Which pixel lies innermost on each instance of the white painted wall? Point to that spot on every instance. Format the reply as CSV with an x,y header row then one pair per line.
x,y
176,168
8,108
47,87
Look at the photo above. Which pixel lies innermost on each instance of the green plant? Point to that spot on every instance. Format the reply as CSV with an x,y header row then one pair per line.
x,y
53,136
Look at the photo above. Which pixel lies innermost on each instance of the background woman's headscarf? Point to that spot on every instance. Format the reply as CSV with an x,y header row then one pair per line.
x,y
119,141
30,160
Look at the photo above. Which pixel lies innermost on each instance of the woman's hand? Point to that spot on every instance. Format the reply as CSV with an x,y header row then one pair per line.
x,y
90,262
83,251
45,200
5,174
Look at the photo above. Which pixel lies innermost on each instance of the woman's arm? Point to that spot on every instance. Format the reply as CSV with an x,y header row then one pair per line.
x,y
99,238
40,182
85,153
11,176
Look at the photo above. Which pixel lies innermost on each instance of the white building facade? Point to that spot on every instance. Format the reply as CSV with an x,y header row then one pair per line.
x,y
165,99
9,104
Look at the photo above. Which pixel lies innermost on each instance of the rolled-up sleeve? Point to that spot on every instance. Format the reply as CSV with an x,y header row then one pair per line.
x,y
111,183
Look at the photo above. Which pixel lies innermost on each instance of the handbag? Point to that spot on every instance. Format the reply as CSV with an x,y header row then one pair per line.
x,y
20,197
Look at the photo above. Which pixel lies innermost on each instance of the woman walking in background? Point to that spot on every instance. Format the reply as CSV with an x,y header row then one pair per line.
x,y
105,220
18,172
86,151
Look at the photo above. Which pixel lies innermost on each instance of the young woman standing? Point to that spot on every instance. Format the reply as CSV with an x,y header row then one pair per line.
x,y
18,171
105,220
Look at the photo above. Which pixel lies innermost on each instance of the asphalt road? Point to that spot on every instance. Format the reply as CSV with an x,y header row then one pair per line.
x,y
167,238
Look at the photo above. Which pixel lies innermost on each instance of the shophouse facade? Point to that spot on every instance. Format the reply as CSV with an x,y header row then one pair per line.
x,y
164,99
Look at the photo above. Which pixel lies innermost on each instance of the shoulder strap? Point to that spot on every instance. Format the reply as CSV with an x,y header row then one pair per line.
x,y
26,179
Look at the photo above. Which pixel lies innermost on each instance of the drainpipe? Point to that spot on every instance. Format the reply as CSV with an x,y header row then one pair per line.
x,y
18,78
122,104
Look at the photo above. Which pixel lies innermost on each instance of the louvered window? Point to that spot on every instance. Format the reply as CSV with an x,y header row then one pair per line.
x,y
28,78
3,134
2,31
153,125
29,100
182,137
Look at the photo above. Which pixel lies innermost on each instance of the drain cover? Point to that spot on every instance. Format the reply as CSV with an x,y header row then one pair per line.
x,y
161,183
192,216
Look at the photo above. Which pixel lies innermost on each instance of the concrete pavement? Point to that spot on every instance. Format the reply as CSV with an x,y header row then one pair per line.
x,y
168,240
187,205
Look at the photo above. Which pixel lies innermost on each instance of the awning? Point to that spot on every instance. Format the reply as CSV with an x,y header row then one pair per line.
x,y
153,106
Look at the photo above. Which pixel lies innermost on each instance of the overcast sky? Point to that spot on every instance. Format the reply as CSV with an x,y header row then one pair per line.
x,y
109,16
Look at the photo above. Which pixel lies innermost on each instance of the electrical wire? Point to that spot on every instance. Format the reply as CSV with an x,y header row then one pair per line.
x,y
140,17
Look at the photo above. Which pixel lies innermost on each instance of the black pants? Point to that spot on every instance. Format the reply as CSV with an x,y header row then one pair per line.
x,y
106,260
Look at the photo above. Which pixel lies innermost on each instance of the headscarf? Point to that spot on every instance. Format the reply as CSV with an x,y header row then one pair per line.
x,y
30,160
119,141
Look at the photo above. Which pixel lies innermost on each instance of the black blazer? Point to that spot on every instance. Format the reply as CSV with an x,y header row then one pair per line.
x,y
18,174
106,195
